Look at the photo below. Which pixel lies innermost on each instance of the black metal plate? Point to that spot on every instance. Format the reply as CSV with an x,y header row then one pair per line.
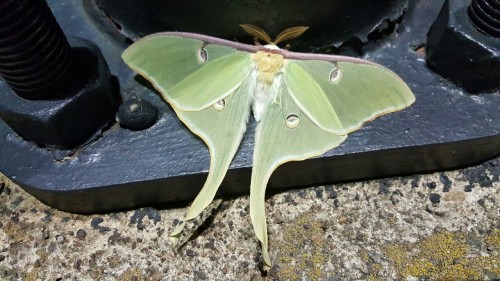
x,y
445,128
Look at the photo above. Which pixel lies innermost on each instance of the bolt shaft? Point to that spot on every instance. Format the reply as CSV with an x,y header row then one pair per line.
x,y
35,56
485,15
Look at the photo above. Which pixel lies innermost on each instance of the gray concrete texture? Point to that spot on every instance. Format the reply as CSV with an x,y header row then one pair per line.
x,y
437,226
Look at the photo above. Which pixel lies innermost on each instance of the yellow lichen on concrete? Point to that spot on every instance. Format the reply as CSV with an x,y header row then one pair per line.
x,y
444,247
300,253
441,256
375,267
132,274
493,239
32,275
14,233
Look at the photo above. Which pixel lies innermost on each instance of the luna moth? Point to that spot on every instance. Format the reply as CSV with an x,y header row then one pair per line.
x,y
305,104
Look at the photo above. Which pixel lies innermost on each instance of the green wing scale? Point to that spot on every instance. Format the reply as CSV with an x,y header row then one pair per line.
x,y
351,93
312,96
222,112
189,74
221,126
284,134
314,102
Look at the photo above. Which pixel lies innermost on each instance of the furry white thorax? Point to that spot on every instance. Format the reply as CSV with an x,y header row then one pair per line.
x,y
262,98
267,66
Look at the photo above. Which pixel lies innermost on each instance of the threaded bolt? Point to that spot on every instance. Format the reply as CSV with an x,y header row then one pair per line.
x,y
35,56
485,15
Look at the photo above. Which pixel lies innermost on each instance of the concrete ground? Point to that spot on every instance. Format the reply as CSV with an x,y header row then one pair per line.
x,y
438,226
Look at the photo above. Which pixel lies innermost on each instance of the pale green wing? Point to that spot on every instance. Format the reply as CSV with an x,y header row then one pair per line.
x,y
221,126
188,73
210,91
284,134
340,97
211,83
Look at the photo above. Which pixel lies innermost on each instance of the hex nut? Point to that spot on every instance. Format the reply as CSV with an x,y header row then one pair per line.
x,y
459,52
86,103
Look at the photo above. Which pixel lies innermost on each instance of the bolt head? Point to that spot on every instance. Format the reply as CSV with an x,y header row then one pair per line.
x,y
86,103
459,52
